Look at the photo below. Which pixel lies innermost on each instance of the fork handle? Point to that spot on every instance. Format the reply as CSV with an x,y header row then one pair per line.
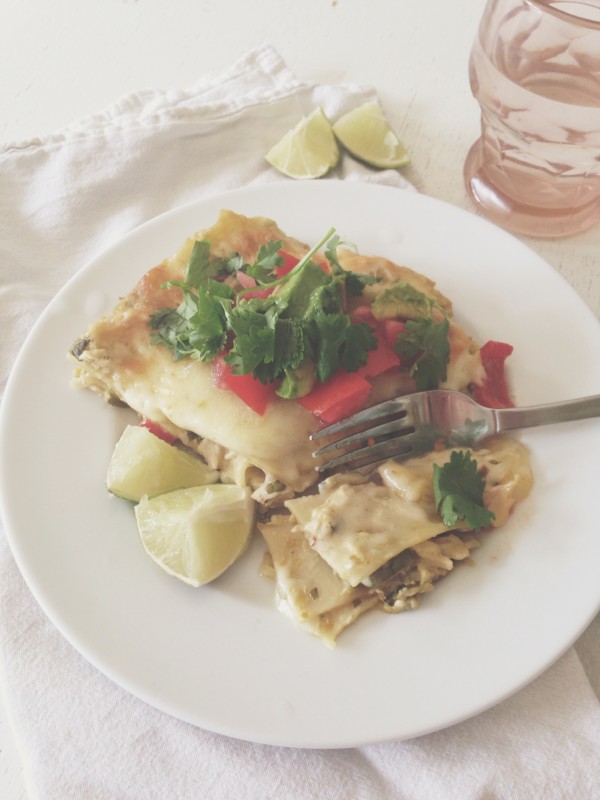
x,y
509,419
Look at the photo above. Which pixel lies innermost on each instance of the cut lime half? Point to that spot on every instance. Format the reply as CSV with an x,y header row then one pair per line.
x,y
309,150
367,135
195,534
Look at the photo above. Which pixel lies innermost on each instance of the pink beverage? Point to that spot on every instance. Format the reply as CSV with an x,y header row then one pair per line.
x,y
535,71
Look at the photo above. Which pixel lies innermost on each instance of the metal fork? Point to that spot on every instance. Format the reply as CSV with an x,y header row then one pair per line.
x,y
416,423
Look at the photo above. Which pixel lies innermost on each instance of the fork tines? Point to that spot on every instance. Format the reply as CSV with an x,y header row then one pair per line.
x,y
375,435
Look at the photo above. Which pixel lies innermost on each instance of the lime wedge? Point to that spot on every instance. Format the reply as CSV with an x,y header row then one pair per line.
x,y
195,534
142,464
366,134
307,151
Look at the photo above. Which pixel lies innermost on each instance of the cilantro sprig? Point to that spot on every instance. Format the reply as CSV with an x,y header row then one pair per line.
x,y
425,342
301,327
197,327
458,489
267,260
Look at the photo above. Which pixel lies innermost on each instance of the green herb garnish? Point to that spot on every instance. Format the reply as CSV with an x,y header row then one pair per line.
x,y
299,333
268,258
458,492
197,328
202,268
426,341
354,281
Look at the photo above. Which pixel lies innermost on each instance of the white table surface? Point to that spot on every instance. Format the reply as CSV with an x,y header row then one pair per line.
x,y
64,59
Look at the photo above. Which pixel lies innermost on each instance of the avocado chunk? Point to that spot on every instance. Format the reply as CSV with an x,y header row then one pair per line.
x,y
402,300
298,382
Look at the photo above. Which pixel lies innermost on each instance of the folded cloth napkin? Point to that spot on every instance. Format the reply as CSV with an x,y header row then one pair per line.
x,y
63,199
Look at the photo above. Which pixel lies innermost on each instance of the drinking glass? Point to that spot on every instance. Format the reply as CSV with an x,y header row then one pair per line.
x,y
535,71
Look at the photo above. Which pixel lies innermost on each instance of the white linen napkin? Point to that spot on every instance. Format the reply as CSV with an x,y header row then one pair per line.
x,y
63,199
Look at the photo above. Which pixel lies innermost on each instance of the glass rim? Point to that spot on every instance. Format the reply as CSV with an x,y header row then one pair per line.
x,y
574,19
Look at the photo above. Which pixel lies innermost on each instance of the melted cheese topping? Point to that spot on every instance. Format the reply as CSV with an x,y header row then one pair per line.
x,y
356,529
308,590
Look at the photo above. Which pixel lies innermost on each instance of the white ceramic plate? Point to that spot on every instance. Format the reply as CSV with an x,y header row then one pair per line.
x,y
222,657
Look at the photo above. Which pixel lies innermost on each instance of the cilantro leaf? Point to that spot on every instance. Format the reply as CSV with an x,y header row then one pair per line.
x,y
208,327
201,268
198,326
171,326
170,329
264,343
458,492
268,258
289,344
426,341
254,339
331,253
354,282
198,264
298,333
360,338
330,336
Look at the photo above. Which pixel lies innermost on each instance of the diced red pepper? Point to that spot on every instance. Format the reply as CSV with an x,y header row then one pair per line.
x,y
388,330
344,394
493,392
379,360
158,430
363,314
256,395
392,328
289,262
248,282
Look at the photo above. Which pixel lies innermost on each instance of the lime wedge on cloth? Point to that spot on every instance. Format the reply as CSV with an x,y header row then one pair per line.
x,y
309,150
367,135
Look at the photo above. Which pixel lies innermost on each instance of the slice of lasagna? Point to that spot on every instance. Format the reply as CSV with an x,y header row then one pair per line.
x,y
242,344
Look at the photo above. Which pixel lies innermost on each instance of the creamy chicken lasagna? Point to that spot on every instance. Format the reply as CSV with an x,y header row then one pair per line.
x,y
247,341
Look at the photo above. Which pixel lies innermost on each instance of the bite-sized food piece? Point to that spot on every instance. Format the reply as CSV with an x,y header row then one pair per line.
x,y
357,528
385,531
307,589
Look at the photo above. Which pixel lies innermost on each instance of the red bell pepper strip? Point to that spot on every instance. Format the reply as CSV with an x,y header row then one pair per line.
x,y
157,430
364,314
248,282
493,392
289,262
392,328
255,394
344,394
382,359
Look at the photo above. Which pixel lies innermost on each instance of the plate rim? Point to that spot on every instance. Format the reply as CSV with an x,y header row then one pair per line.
x,y
142,231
